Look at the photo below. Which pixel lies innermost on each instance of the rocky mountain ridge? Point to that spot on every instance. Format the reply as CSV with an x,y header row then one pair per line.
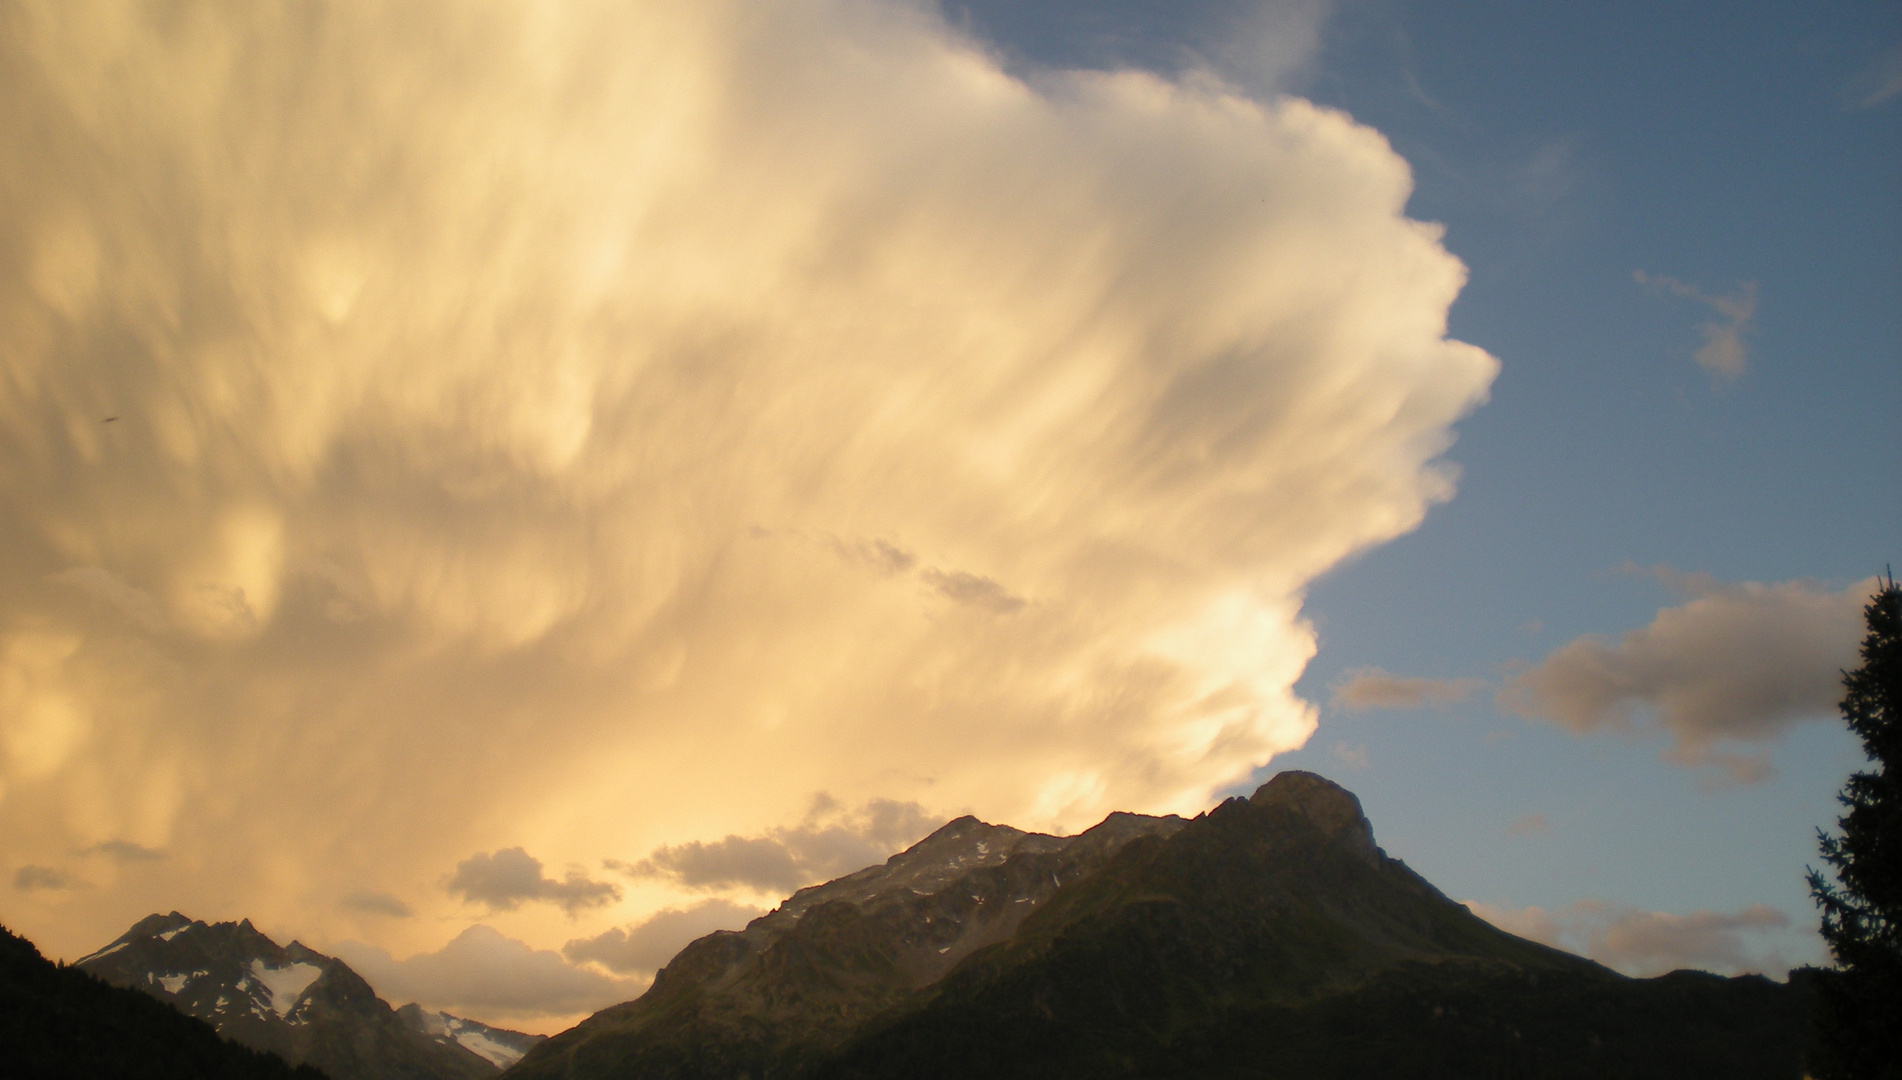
x,y
1269,937
58,1022
798,981
297,1003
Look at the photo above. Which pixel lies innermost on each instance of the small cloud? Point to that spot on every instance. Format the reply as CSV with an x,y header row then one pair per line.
x,y
971,589
124,851
1372,688
379,903
1548,177
881,555
1647,943
42,878
1738,663
506,879
1531,626
1880,81
484,973
108,589
1687,583
1528,825
829,842
1722,354
642,947
1354,757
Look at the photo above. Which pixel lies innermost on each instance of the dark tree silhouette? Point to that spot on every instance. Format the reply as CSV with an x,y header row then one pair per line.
x,y
1859,1025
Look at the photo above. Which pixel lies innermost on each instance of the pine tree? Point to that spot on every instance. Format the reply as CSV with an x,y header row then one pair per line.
x,y
1859,1025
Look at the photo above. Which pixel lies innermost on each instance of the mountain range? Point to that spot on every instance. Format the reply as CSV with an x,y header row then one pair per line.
x,y
1270,937
299,1004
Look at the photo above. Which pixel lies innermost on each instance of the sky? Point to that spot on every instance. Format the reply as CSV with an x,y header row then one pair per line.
x,y
495,491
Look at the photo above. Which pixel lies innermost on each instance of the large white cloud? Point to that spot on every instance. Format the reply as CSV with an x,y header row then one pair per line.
x,y
586,428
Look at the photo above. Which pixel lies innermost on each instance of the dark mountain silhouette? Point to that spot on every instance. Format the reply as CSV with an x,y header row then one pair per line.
x,y
798,982
59,1022
289,1000
1269,937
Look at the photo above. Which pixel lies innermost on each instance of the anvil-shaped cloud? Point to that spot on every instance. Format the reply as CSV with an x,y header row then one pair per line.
x,y
501,393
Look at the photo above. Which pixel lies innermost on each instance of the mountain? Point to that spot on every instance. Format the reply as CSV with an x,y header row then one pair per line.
x,y
58,1022
499,1046
1270,937
292,1001
798,982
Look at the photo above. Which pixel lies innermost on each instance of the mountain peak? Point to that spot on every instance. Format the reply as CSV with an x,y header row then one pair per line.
x,y
1327,805
289,1000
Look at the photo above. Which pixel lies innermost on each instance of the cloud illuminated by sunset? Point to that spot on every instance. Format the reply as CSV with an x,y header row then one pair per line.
x,y
581,429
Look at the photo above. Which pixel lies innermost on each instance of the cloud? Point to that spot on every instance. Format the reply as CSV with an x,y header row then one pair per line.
x,y
1528,825
1722,353
1265,46
980,592
1880,81
644,947
124,851
881,555
108,590
379,903
1736,664
1353,757
31,878
829,843
474,399
508,878
486,975
1648,943
1372,688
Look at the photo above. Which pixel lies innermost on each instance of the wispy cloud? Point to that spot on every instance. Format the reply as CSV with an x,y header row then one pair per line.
x,y
973,589
1647,943
124,851
645,946
1528,825
1880,81
379,903
1723,353
1372,688
1351,755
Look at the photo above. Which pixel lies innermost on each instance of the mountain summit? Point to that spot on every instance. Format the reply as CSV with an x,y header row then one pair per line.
x,y
1269,937
297,1003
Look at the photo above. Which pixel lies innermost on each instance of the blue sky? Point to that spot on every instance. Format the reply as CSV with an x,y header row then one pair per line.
x,y
1567,148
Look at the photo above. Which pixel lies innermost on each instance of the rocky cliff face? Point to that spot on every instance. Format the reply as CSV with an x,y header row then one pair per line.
x,y
288,1000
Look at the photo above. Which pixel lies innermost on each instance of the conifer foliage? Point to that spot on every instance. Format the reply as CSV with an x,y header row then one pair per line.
x,y
1860,1024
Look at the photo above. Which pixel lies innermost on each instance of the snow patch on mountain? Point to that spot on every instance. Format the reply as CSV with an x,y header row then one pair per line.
x,y
499,1047
286,984
107,951
175,982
